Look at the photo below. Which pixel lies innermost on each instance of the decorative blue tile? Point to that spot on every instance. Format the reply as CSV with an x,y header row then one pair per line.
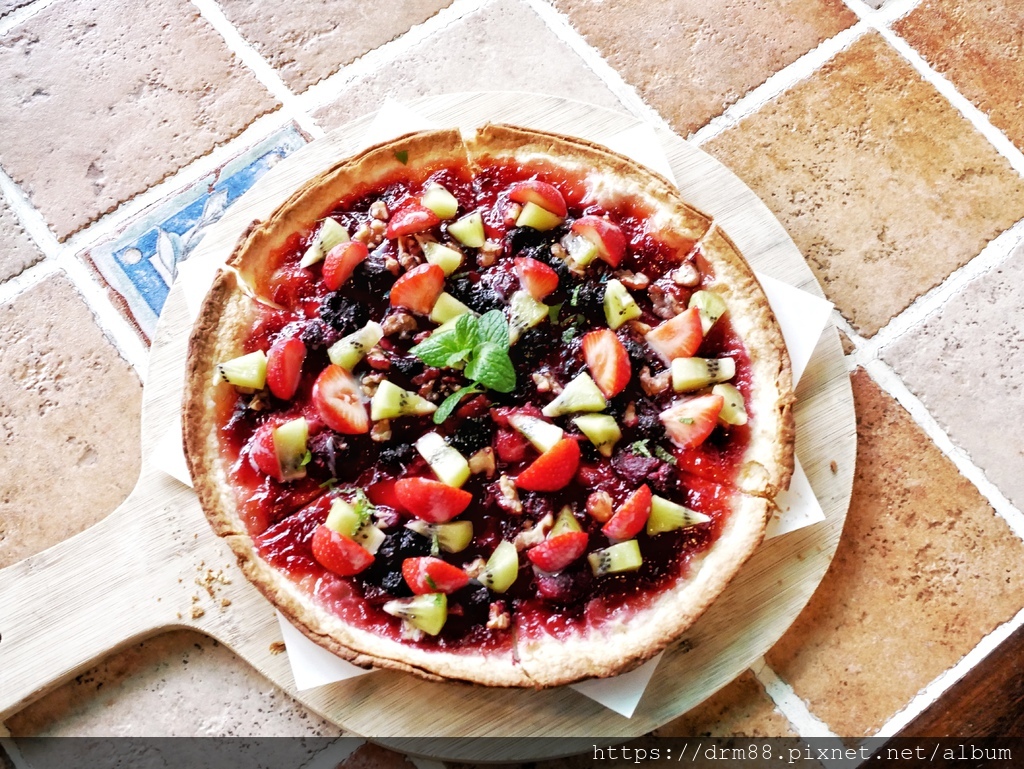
x,y
139,264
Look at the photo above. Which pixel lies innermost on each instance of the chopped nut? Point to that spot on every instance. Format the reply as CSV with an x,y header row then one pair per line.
x,y
381,431
533,533
409,260
654,385
638,327
634,280
599,506
508,499
377,359
664,303
629,417
686,275
392,265
277,647
497,616
379,209
362,233
427,391
546,383
475,567
370,383
489,253
483,462
401,323
558,251
512,213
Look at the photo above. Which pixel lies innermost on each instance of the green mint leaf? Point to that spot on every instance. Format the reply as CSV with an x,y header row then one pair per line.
x,y
403,156
575,295
553,311
492,368
444,349
329,483
435,545
363,506
640,448
467,331
306,459
430,582
663,455
448,404
493,328
569,334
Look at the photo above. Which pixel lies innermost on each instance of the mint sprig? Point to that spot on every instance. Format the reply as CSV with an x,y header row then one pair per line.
x,y
480,347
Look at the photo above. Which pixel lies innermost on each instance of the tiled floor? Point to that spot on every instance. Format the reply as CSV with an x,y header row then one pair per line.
x,y
885,136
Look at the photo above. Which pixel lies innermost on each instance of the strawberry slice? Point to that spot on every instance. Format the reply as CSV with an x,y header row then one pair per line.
x,y
631,516
430,500
262,453
418,289
556,553
409,219
608,237
607,360
689,422
553,469
539,193
284,366
432,575
341,261
339,554
537,278
338,401
678,337
510,445
383,493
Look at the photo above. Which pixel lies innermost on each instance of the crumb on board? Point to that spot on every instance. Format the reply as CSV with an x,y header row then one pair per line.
x,y
833,467
225,602
277,647
197,612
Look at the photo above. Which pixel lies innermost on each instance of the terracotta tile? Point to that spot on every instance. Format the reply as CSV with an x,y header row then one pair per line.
x,y
691,59
17,249
979,47
69,421
177,684
925,569
741,709
882,184
964,362
848,345
103,99
463,57
310,39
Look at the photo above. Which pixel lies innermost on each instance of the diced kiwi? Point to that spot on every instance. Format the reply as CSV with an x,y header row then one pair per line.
x,y
690,374
370,537
624,556
469,230
538,218
344,518
427,612
602,430
330,234
524,312
734,409
445,257
290,448
452,537
351,349
447,308
440,201
447,463
581,394
582,251
565,522
619,305
391,401
542,435
245,371
669,516
711,307
501,569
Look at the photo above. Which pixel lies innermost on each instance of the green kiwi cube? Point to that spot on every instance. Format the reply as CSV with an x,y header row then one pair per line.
x,y
524,312
619,304
565,523
445,257
344,518
710,306
621,557
427,612
440,201
669,516
602,430
452,537
734,409
391,401
290,448
537,218
351,349
689,374
542,435
447,308
447,463
501,568
330,234
469,230
581,394
581,250
249,371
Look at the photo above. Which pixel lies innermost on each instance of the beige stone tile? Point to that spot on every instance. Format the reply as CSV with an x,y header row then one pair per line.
x,y
17,250
883,185
102,99
691,59
69,421
965,364
465,57
924,570
741,709
308,40
979,47
177,684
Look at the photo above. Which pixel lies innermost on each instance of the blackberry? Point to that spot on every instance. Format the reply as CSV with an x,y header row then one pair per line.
x,y
343,314
475,294
588,297
372,273
386,569
326,450
526,238
640,353
316,334
407,366
648,423
397,454
472,435
534,345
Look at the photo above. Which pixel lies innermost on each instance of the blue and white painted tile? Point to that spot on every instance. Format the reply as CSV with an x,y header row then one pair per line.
x,y
139,264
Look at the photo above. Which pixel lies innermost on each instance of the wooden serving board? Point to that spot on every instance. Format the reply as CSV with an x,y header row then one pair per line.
x,y
154,563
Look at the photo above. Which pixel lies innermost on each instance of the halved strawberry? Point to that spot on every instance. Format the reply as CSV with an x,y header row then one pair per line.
x,y
338,400
432,575
539,193
341,261
556,553
631,516
677,337
430,500
409,219
510,445
418,289
284,366
262,453
607,236
339,554
689,422
553,469
383,493
537,278
607,360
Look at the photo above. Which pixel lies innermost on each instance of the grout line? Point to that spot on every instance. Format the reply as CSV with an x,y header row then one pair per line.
x,y
893,10
11,749
930,693
805,723
335,754
26,213
27,279
23,14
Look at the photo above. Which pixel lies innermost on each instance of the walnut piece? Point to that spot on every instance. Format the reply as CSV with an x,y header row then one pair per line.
x,y
497,616
599,506
401,323
483,462
655,385
508,498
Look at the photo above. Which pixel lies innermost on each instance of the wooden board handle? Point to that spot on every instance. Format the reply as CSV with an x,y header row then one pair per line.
x,y
67,606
